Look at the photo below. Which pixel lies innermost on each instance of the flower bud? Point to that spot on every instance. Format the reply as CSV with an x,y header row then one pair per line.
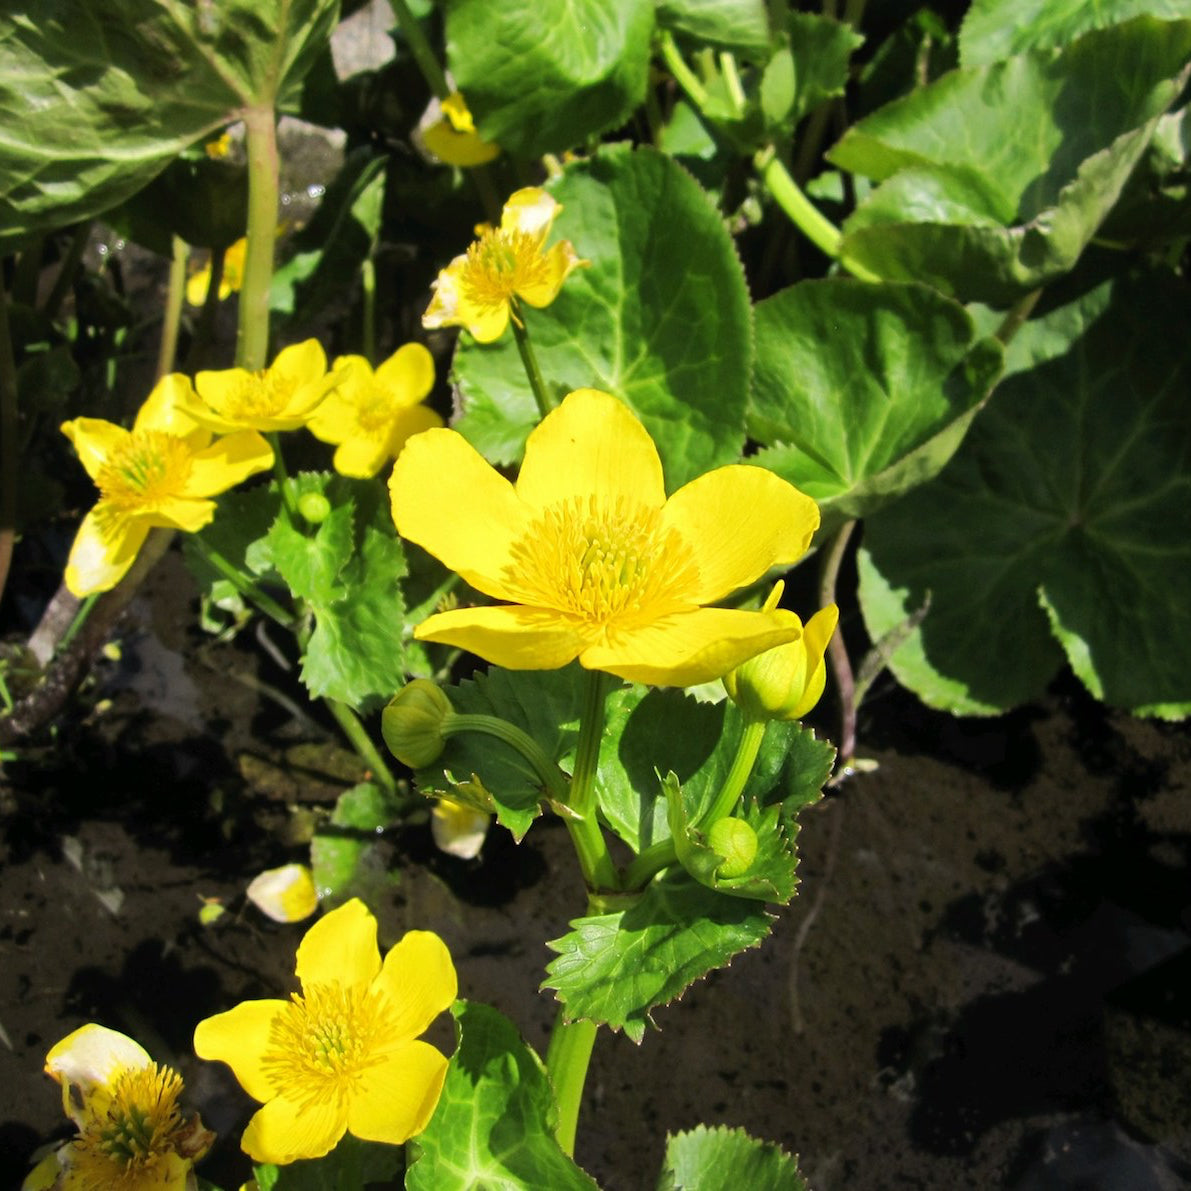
x,y
736,842
785,682
314,507
413,722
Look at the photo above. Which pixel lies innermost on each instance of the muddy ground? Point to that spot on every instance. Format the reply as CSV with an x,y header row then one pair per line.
x,y
984,982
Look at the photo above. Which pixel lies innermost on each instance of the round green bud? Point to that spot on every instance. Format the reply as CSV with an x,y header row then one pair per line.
x,y
413,723
314,506
736,842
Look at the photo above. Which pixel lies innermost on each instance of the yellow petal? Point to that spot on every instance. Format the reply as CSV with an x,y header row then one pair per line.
x,y
95,441
591,444
167,409
441,470
408,423
301,363
92,1056
361,457
419,980
240,1038
340,948
395,1099
188,515
197,285
815,636
285,894
689,648
443,310
531,211
104,548
739,521
226,462
408,373
509,635
458,829
284,1132
561,261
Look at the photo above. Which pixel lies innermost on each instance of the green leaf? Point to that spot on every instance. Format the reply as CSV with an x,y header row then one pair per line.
x,y
822,51
344,854
1072,491
494,1125
996,29
355,653
351,1163
542,76
989,200
329,250
741,26
615,968
108,93
494,776
310,557
661,319
240,533
863,391
723,1159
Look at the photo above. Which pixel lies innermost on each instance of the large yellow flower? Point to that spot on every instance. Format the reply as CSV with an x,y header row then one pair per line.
x,y
371,414
594,561
131,1131
453,138
509,262
160,474
343,1055
280,397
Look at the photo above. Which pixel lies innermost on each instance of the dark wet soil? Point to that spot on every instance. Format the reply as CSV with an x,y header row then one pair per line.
x,y
985,982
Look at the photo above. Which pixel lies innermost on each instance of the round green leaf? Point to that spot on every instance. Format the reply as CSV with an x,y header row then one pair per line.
x,y
1068,508
661,318
862,391
542,76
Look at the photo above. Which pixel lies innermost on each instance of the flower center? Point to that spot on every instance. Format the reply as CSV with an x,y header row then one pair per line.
x,y
324,1039
500,264
261,394
603,561
151,466
139,1128
374,410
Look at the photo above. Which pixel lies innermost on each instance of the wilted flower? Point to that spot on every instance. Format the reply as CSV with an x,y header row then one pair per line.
x,y
131,1132
594,560
371,414
343,1055
160,474
452,138
285,894
280,397
507,263
458,829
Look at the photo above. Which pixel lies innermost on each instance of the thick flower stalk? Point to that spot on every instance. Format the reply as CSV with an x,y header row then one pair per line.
x,y
160,474
510,263
452,137
592,559
369,415
132,1133
343,1055
280,397
784,683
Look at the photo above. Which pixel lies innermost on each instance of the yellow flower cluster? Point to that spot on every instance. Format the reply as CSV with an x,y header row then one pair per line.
x,y
191,441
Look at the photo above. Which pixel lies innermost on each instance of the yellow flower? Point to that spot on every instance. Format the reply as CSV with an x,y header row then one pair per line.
x,y
594,560
160,474
285,894
230,279
280,397
786,682
371,414
131,1132
343,1055
510,262
452,138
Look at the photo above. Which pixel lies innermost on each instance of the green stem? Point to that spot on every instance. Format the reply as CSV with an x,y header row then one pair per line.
x,y
175,295
742,768
252,334
424,56
645,867
1017,316
590,846
288,498
8,443
837,650
356,733
685,77
530,362
68,268
79,619
245,586
368,312
567,1060
732,82
788,195
490,725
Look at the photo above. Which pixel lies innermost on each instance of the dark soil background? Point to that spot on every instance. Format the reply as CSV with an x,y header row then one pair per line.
x,y
983,983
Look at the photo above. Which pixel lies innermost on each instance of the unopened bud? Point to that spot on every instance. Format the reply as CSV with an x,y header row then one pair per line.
x,y
314,507
736,842
413,722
